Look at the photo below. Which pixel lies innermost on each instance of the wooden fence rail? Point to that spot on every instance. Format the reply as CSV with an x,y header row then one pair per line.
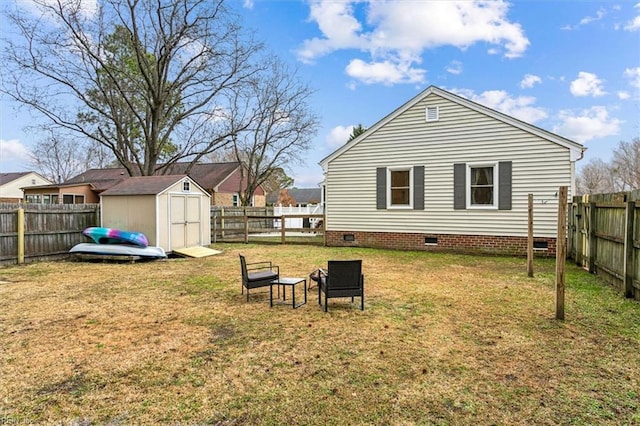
x,y
234,227
604,236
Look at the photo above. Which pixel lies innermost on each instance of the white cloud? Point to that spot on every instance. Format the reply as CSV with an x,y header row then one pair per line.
x,y
87,8
395,33
601,13
634,24
247,4
633,74
455,68
14,151
385,72
520,107
338,136
529,81
589,19
588,124
587,84
623,95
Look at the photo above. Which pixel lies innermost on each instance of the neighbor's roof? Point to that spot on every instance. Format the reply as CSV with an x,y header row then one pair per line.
x,y
301,195
575,148
207,175
11,176
145,185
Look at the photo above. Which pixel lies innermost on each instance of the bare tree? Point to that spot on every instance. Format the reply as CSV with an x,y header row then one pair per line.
x,y
626,165
282,125
595,177
144,78
59,159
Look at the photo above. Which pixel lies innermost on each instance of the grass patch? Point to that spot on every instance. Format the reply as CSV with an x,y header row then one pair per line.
x,y
444,339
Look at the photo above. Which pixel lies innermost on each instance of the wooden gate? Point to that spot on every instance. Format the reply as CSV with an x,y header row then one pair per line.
x,y
604,237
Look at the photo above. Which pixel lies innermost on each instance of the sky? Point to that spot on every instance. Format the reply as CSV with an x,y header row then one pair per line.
x,y
568,66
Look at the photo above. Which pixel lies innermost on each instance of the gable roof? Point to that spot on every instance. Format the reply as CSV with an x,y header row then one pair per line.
x,y
207,175
575,148
11,176
146,185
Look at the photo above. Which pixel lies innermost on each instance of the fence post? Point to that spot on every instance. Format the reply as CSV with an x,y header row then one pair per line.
x,y
246,227
561,251
214,227
20,235
629,265
283,229
530,237
222,222
593,239
579,237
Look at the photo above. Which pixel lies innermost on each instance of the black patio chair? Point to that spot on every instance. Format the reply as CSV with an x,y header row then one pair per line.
x,y
343,278
257,274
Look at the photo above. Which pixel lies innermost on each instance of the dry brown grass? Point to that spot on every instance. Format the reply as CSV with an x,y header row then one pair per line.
x,y
443,339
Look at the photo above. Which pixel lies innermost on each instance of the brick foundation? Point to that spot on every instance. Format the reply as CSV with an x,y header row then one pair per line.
x,y
484,244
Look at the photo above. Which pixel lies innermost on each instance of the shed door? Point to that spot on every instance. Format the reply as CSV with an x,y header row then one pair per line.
x,y
185,213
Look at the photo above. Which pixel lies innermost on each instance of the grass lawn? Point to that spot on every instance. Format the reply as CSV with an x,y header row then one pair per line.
x,y
443,339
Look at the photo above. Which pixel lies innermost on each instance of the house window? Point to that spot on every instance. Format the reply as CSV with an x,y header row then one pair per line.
x,y
55,198
400,184
400,187
236,200
186,186
33,198
72,199
482,184
432,113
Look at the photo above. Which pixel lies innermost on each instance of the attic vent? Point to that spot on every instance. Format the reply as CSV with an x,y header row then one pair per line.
x,y
433,114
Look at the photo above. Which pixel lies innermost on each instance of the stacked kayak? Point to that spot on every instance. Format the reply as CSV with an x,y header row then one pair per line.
x,y
117,242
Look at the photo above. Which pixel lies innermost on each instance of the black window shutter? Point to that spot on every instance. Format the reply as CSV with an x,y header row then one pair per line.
x,y
381,188
418,188
459,186
504,190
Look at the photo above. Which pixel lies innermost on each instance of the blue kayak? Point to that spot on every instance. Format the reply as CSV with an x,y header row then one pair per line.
x,y
101,235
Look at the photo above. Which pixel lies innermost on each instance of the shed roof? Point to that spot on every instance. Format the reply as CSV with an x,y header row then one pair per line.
x,y
144,185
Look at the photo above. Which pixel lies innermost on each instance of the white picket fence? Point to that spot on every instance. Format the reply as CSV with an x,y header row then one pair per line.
x,y
297,222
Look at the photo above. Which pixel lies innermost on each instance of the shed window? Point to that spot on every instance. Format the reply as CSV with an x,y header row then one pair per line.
x,y
186,186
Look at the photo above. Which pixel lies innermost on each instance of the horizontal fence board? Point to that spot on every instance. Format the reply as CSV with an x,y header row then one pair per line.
x,y
50,230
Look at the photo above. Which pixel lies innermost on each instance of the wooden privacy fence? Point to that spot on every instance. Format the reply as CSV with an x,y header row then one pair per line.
x,y
31,232
604,236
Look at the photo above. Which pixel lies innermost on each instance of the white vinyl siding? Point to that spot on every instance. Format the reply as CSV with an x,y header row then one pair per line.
x,y
461,135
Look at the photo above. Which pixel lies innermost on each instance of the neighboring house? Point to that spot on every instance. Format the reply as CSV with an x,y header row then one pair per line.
x,y
445,173
299,197
12,184
220,180
171,210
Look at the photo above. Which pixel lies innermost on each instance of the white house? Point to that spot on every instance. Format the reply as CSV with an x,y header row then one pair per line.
x,y
445,173
11,185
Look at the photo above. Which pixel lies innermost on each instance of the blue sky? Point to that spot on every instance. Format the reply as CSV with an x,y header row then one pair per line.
x,y
570,67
